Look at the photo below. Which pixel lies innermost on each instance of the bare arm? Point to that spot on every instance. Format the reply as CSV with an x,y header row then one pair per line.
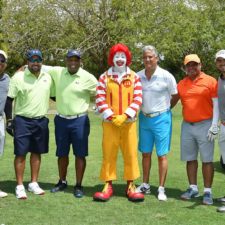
x,y
174,99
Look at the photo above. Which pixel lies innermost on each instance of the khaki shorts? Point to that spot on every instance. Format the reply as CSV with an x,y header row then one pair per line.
x,y
194,139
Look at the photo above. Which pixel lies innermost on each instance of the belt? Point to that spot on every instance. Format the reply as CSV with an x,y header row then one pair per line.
x,y
37,117
72,117
222,122
155,114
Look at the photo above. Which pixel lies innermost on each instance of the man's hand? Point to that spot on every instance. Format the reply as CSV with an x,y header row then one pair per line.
x,y
10,127
213,132
118,120
21,69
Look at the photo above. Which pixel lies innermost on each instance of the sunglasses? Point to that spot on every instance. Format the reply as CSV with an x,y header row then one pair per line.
x,y
2,60
35,60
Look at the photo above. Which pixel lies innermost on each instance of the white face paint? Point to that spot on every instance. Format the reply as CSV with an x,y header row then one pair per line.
x,y
120,61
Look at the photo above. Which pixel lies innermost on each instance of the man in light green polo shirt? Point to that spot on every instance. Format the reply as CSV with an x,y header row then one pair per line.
x,y
73,86
31,91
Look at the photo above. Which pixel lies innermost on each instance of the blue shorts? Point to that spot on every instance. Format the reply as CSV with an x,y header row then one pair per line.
x,y
31,135
72,131
155,130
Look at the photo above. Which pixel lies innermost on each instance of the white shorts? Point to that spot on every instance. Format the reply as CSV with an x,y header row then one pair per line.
x,y
2,135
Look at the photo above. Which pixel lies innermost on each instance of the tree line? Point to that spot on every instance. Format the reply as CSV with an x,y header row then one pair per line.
x,y
175,27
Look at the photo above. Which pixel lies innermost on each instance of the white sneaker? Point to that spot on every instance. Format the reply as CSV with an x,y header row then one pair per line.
x,y
143,188
20,192
3,194
162,195
34,188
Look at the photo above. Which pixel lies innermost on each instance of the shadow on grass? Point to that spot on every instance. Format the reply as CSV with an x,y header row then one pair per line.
x,y
119,191
218,168
9,187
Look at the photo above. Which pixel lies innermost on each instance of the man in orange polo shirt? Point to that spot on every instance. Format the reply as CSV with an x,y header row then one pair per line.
x,y
198,94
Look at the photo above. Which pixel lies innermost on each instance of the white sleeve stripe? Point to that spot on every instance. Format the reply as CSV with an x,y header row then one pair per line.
x,y
100,92
100,99
103,106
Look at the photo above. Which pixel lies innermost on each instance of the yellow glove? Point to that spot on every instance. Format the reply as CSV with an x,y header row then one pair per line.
x,y
118,120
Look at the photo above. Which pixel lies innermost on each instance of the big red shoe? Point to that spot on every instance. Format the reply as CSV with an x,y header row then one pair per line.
x,y
133,195
105,195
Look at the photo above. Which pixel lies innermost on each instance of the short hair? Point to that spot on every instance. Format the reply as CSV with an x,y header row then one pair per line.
x,y
119,48
148,48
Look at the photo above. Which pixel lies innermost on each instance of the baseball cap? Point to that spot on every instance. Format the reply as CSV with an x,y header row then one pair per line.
x,y
73,52
34,52
4,54
221,54
191,58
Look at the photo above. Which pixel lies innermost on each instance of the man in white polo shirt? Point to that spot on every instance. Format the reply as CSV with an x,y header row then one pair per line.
x,y
31,91
155,122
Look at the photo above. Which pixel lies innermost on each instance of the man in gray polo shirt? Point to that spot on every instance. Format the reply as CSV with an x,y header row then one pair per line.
x,y
220,63
4,84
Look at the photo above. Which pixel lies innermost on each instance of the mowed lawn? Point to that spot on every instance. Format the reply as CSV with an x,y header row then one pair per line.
x,y
64,209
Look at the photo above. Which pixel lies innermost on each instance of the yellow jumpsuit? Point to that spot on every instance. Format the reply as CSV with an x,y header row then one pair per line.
x,y
119,97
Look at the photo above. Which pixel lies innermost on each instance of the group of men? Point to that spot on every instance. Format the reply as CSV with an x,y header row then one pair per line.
x,y
31,90
120,93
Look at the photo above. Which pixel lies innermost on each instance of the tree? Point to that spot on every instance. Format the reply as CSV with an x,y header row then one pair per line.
x,y
175,27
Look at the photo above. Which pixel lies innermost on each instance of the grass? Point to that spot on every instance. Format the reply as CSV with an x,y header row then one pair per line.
x,y
64,209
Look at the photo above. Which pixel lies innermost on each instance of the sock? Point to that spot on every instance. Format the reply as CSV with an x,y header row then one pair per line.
x,y
146,185
194,187
161,188
208,190
64,181
78,184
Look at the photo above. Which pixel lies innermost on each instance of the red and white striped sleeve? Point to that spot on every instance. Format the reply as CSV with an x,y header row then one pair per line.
x,y
101,102
131,111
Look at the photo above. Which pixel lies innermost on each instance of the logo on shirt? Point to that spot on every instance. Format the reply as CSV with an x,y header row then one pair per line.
x,y
127,83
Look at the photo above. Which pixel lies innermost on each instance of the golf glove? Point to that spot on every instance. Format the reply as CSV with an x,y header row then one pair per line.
x,y
213,132
118,120
10,127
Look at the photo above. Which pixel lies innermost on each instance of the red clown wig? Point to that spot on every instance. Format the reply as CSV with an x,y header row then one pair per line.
x,y
119,48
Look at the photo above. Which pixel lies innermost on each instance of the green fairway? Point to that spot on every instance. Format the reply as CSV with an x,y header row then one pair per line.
x,y
64,209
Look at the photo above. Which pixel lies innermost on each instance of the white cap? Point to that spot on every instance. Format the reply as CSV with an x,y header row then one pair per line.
x,y
221,54
3,53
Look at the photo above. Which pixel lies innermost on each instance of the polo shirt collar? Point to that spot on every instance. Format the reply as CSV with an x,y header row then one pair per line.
x,y
3,76
156,71
78,73
199,78
222,77
154,74
28,73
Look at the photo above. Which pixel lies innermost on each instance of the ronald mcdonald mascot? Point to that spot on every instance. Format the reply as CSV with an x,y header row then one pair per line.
x,y
119,96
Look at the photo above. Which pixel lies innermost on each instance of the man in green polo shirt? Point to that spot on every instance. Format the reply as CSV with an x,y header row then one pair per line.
x,y
73,86
31,91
